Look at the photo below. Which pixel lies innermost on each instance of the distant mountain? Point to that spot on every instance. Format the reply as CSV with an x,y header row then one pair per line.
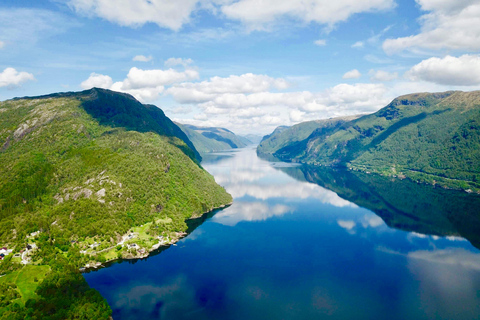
x,y
253,138
209,139
283,139
430,137
81,170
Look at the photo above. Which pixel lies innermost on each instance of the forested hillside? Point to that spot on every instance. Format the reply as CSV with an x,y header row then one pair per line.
x,y
430,137
284,138
80,171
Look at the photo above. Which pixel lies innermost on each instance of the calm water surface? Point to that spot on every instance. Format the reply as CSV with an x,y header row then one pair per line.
x,y
302,243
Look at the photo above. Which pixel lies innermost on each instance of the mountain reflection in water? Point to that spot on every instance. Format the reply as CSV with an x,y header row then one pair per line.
x,y
402,204
308,243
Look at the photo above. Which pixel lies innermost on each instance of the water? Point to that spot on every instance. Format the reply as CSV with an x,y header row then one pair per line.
x,y
289,248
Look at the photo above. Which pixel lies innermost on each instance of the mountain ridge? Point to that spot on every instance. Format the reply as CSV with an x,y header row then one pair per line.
x,y
89,177
428,137
210,139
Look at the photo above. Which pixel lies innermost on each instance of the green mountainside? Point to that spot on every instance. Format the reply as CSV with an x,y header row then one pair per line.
x,y
80,171
429,137
283,140
210,139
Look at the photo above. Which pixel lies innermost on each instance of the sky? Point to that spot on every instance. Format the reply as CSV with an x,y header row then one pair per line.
x,y
246,65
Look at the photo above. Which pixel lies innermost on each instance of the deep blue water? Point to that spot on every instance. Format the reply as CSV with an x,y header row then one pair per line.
x,y
291,249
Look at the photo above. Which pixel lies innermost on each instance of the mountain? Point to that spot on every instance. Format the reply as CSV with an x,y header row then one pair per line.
x,y
210,139
82,170
283,139
432,211
253,138
428,137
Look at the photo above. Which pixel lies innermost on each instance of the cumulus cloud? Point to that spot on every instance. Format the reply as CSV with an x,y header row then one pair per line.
x,y
346,99
346,224
249,211
258,15
253,14
133,13
461,71
12,78
453,256
209,90
236,103
145,85
320,42
172,62
97,80
352,74
372,221
142,58
448,24
382,76
296,115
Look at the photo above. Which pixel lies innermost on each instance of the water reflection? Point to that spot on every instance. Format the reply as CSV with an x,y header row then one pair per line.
x,y
299,243
402,204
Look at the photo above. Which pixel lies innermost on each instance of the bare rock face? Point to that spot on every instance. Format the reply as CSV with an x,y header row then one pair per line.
x,y
100,193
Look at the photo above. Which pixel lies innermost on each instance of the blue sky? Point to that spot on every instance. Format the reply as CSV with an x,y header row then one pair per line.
x,y
246,65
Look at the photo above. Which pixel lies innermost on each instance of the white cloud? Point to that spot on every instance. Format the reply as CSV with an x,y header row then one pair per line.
x,y
358,44
462,71
257,15
372,221
97,80
142,58
249,211
138,78
455,256
209,90
12,78
449,24
133,13
296,115
382,76
346,224
172,62
2,44
145,85
346,99
320,42
253,14
231,103
352,74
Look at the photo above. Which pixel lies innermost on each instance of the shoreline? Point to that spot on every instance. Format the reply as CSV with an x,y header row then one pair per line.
x,y
156,248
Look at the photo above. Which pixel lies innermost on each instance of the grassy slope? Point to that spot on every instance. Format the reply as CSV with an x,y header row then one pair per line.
x,y
428,137
66,148
210,139
24,279
75,174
